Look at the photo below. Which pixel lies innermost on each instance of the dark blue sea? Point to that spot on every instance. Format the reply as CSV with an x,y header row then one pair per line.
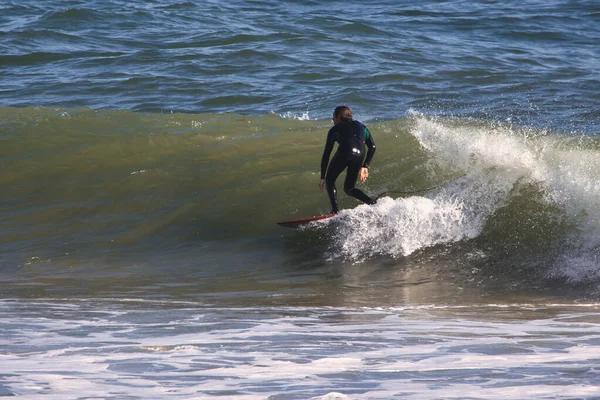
x,y
148,148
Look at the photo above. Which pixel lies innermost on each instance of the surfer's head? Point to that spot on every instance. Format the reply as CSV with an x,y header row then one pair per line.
x,y
342,113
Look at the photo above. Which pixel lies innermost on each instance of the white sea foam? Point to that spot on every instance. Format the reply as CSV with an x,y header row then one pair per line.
x,y
400,227
90,349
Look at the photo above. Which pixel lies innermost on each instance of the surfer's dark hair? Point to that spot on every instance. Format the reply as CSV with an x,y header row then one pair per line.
x,y
343,112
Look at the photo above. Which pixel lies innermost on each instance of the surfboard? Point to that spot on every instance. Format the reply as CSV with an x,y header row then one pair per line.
x,y
297,223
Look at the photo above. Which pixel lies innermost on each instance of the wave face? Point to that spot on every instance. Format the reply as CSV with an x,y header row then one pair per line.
x,y
514,203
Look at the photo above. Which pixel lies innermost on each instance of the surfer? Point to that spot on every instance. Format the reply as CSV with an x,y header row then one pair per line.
x,y
351,136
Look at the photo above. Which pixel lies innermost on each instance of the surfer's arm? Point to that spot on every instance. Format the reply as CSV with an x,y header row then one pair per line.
x,y
371,148
327,152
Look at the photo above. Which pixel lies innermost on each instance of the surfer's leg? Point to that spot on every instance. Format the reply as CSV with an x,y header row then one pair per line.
x,y
336,166
350,182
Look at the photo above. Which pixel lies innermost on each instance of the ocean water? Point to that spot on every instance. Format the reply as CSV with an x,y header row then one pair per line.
x,y
147,150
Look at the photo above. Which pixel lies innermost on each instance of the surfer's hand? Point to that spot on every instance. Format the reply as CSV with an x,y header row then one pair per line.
x,y
322,185
364,174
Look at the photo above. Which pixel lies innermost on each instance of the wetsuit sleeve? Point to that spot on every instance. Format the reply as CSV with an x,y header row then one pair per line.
x,y
371,145
327,152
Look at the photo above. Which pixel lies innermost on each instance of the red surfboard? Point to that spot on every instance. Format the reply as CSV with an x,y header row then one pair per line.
x,y
297,223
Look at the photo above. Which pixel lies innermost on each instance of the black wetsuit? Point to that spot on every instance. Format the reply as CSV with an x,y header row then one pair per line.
x,y
352,137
